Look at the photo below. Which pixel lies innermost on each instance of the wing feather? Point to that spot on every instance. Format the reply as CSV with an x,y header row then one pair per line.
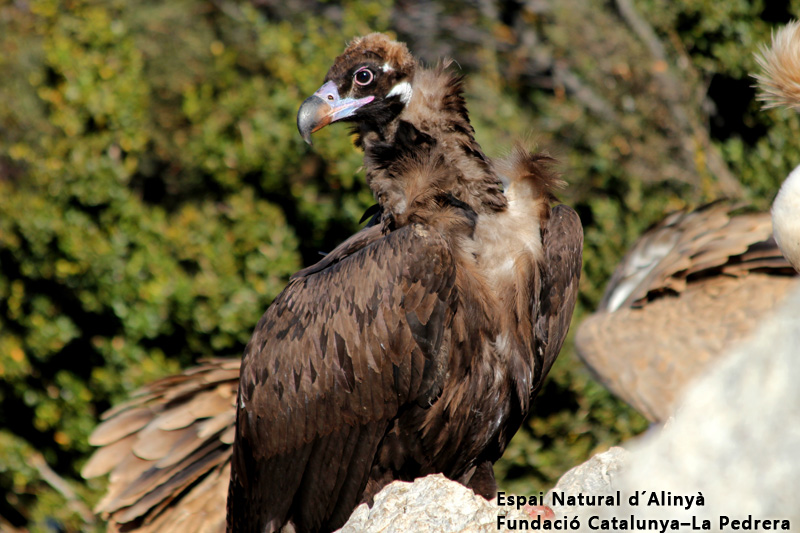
x,y
373,356
126,423
106,458
562,244
687,245
183,425
692,286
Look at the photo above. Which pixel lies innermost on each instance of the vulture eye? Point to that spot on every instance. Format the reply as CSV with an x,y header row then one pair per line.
x,y
364,76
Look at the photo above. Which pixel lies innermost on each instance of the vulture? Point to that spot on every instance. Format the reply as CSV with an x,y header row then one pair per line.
x,y
415,347
780,87
688,290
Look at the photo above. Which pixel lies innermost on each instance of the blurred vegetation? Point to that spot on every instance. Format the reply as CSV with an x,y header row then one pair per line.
x,y
155,196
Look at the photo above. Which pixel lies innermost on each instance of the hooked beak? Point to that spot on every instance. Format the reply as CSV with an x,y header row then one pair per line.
x,y
324,107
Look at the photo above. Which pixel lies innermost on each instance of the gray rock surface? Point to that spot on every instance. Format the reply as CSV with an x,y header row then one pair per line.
x,y
599,476
736,436
432,504
734,440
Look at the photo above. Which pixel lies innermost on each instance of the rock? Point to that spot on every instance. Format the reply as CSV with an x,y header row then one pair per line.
x,y
597,476
735,442
736,437
431,504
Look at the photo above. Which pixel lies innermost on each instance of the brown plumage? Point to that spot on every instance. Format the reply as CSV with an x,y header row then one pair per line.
x,y
168,452
415,347
689,289
418,348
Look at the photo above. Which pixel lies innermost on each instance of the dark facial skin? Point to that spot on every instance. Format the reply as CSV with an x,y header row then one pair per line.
x,y
354,91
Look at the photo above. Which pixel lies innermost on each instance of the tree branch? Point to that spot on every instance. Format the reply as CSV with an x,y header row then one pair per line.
x,y
696,140
62,486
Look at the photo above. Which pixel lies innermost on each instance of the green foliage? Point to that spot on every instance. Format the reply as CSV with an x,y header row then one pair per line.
x,y
155,196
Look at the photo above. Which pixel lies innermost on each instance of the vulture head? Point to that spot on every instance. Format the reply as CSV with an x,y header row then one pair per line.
x,y
369,83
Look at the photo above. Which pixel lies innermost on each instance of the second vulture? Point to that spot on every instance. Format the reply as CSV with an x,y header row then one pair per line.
x,y
699,283
689,290
417,346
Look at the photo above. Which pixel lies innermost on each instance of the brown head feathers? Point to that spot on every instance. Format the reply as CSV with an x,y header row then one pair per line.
x,y
378,47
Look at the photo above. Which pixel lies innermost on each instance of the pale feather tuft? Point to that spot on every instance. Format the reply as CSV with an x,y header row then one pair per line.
x,y
403,90
779,81
529,175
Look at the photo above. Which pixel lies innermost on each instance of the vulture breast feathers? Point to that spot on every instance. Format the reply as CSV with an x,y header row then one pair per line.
x,y
417,345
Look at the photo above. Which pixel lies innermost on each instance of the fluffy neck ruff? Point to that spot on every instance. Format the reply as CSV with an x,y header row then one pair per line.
x,y
429,152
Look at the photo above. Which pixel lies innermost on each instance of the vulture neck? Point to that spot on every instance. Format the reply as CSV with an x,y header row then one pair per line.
x,y
429,153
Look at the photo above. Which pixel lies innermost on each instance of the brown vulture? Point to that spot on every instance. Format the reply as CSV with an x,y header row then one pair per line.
x,y
780,87
414,347
689,289
417,345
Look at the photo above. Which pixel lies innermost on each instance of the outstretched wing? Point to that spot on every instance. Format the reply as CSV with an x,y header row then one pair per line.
x,y
562,244
689,288
168,452
691,245
333,360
